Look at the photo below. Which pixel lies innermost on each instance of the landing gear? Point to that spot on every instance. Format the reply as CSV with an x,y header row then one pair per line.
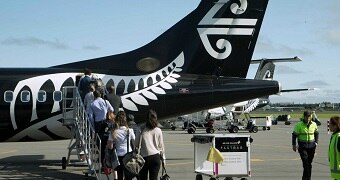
x,y
63,162
199,177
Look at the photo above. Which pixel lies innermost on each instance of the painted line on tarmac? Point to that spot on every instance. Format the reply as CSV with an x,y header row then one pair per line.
x,y
176,164
8,152
289,147
176,143
263,160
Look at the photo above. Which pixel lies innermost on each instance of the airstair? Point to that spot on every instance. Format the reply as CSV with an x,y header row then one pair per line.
x,y
85,143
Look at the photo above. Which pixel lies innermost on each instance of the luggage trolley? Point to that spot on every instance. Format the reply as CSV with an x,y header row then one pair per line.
x,y
235,150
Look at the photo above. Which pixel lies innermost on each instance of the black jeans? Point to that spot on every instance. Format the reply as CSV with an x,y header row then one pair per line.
x,y
151,166
307,156
122,172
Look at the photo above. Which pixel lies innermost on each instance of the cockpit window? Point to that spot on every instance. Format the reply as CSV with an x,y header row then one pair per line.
x,y
41,96
25,96
57,96
8,96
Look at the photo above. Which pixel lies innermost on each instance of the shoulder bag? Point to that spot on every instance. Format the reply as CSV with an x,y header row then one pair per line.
x,y
164,176
132,161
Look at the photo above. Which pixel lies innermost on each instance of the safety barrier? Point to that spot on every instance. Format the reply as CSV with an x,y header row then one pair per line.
x,y
85,143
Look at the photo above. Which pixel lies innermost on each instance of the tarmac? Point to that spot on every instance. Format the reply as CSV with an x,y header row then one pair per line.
x,y
271,155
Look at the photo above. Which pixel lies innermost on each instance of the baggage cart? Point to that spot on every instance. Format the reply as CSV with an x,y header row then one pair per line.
x,y
235,150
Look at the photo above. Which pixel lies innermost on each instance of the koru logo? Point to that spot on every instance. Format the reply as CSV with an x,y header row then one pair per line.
x,y
223,44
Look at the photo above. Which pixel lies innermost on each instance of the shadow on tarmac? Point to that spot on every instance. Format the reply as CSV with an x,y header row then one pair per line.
x,y
35,167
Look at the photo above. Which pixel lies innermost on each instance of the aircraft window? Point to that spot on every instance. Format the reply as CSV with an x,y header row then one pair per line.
x,y
25,96
8,96
57,96
41,96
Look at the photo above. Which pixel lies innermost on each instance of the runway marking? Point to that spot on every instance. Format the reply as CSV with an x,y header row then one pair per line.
x,y
262,160
289,147
176,164
174,142
7,152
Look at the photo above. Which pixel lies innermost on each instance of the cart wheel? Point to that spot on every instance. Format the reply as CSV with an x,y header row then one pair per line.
x,y
191,130
264,128
63,162
255,129
268,128
235,129
210,130
199,177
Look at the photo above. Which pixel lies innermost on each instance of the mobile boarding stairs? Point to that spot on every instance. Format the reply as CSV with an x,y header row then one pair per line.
x,y
85,143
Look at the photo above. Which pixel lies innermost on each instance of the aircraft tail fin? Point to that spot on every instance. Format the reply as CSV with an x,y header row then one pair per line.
x,y
217,38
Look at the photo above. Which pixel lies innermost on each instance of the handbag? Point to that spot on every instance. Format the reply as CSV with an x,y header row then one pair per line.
x,y
132,161
111,158
164,176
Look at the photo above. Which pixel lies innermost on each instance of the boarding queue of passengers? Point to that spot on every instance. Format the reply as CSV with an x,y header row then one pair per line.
x,y
119,133
105,108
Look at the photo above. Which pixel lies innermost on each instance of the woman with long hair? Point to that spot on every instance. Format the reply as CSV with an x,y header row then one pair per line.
x,y
120,138
151,148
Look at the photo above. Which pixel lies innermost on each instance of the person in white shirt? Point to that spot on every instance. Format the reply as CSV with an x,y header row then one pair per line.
x,y
118,139
152,147
89,98
98,110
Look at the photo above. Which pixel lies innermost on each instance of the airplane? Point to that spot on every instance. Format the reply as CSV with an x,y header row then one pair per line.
x,y
265,71
199,63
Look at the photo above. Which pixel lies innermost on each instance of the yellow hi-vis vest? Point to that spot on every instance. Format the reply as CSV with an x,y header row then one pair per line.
x,y
305,134
334,156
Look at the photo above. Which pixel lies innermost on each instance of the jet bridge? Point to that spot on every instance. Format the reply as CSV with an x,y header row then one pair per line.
x,y
85,143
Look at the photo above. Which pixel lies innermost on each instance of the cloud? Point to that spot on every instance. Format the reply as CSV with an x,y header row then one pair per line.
x,y
91,47
265,45
332,36
33,41
315,83
286,70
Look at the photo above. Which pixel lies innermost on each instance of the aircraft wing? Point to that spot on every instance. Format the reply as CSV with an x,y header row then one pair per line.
x,y
293,59
294,90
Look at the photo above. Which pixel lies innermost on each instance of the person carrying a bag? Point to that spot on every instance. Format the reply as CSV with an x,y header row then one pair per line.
x,y
119,138
152,147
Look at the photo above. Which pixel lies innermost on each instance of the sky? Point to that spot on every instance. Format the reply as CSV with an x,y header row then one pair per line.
x,y
39,33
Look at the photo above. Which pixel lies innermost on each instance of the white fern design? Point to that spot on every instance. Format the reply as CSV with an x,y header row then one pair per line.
x,y
141,97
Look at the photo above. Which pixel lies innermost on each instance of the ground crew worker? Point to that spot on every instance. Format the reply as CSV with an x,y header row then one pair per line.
x,y
334,147
306,132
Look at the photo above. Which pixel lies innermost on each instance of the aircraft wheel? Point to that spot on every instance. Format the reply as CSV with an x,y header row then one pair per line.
x,y
264,128
173,128
191,130
63,162
228,178
287,122
255,129
199,177
268,128
235,129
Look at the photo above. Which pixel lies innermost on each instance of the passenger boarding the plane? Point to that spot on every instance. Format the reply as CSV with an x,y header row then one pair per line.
x,y
119,140
89,96
84,83
98,110
113,98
